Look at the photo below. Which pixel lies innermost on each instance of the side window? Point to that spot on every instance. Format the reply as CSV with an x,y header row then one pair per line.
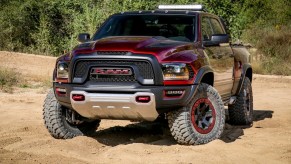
x,y
206,29
216,26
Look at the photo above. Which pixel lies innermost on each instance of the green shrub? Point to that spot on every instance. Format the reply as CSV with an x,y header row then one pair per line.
x,y
49,27
8,79
274,43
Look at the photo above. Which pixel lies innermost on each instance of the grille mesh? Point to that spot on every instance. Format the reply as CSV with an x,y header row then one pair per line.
x,y
83,67
115,78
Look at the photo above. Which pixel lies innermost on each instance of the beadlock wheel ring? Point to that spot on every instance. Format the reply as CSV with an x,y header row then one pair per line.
x,y
203,116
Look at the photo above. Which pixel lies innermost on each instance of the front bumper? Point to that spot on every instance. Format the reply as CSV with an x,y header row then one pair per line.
x,y
115,106
117,101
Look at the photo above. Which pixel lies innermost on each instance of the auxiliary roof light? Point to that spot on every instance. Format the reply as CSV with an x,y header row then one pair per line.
x,y
181,7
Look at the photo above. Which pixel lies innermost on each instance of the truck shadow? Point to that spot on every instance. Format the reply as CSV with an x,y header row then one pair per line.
x,y
144,132
232,132
157,133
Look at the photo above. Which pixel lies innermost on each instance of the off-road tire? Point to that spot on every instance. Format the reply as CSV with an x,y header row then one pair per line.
x,y
58,126
241,112
181,124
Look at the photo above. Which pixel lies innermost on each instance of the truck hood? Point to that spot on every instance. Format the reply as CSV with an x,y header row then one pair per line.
x,y
161,47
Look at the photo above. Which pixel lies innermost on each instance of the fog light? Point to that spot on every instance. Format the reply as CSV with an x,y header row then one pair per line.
x,y
78,97
143,99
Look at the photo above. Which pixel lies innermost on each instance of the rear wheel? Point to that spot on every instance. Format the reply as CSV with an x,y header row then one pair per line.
x,y
201,121
64,123
241,112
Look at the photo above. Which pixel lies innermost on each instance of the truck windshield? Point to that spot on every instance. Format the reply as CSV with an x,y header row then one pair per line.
x,y
173,27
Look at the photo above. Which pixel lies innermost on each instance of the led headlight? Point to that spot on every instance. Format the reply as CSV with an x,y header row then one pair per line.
x,y
175,71
62,70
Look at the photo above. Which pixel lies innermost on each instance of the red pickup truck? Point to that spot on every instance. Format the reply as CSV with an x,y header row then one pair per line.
x,y
175,61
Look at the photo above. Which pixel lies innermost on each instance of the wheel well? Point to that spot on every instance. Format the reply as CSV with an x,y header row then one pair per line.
x,y
208,78
249,73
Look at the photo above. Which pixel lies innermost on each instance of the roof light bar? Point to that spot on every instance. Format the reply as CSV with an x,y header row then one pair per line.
x,y
181,7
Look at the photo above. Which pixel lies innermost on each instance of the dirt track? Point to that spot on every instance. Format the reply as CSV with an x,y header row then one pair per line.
x,y
24,139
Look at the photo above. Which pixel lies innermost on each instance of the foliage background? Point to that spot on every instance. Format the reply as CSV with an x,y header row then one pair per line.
x,y
49,27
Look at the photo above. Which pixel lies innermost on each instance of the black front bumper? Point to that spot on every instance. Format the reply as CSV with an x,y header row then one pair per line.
x,y
163,103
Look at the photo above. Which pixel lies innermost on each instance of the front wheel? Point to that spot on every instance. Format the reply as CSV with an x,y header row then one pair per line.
x,y
201,121
59,122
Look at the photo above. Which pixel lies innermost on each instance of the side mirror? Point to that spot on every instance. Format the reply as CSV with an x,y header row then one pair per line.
x,y
83,37
216,39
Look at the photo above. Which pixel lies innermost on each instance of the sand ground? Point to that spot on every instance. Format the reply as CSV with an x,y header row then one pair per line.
x,y
24,139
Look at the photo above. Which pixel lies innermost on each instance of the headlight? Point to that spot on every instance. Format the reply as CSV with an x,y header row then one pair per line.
x,y
175,71
62,70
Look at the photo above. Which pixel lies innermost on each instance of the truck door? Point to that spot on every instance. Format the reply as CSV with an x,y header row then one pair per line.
x,y
220,56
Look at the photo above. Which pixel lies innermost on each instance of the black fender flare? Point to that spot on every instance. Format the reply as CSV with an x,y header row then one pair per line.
x,y
200,76
246,72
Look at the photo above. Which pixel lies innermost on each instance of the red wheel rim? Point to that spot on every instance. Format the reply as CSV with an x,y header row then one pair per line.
x,y
203,116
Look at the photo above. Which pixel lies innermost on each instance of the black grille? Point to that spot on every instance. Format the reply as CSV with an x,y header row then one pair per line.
x,y
115,78
83,67
112,52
